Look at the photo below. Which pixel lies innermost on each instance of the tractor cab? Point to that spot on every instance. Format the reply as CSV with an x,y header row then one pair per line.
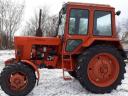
x,y
81,25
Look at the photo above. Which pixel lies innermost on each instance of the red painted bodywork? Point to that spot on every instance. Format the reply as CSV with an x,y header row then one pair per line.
x,y
23,45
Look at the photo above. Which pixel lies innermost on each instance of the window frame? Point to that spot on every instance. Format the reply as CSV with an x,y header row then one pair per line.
x,y
87,24
111,24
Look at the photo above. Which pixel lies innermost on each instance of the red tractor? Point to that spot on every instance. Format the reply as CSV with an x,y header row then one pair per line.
x,y
86,45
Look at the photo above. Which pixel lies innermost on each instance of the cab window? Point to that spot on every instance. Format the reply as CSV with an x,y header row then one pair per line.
x,y
102,23
78,23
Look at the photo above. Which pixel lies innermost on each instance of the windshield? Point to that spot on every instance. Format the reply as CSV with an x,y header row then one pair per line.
x,y
61,21
61,25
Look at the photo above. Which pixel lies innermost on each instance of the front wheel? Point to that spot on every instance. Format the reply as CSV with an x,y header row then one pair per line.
x,y
101,69
17,79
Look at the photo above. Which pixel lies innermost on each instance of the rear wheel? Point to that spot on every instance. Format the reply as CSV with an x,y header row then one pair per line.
x,y
101,69
73,74
17,79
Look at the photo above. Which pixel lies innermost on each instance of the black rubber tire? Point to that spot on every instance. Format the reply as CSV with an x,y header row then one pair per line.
x,y
83,61
73,74
17,68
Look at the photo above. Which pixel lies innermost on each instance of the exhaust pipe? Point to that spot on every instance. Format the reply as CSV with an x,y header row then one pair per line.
x,y
39,31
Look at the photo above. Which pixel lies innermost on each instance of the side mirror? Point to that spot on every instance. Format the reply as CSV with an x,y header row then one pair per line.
x,y
118,13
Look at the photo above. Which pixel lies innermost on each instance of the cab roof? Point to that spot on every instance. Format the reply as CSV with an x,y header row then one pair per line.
x,y
88,4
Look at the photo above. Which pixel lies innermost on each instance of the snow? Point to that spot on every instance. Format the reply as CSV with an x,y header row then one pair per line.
x,y
52,84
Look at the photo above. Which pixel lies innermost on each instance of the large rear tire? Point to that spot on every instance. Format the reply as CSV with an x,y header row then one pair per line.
x,y
73,74
100,69
17,79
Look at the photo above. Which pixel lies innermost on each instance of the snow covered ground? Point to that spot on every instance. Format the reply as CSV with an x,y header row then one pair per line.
x,y
52,84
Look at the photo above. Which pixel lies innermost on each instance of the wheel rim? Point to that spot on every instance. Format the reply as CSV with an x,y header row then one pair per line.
x,y
103,69
18,81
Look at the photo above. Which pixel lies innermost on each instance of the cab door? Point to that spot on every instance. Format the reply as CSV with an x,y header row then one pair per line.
x,y
77,29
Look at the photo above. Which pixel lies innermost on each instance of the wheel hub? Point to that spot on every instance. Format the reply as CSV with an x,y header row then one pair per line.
x,y
18,81
103,69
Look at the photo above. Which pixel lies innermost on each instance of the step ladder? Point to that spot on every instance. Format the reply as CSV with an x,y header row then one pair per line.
x,y
67,61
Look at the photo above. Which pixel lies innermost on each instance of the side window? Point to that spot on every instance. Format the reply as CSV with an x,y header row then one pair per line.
x,y
72,44
102,23
78,23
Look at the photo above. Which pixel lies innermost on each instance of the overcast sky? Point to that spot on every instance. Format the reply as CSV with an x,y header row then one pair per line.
x,y
55,5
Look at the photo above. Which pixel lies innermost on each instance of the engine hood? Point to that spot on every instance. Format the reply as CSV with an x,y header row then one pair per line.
x,y
23,45
32,40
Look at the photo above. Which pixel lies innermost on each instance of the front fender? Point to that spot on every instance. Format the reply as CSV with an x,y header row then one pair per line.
x,y
10,61
27,62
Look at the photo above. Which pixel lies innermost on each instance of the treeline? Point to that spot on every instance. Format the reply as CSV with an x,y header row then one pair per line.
x,y
10,19
11,14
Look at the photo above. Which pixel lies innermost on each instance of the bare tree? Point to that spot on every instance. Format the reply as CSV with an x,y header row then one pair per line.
x,y
51,25
124,30
32,24
10,19
48,23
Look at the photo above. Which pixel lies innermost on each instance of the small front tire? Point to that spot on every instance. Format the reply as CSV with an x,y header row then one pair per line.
x,y
17,79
